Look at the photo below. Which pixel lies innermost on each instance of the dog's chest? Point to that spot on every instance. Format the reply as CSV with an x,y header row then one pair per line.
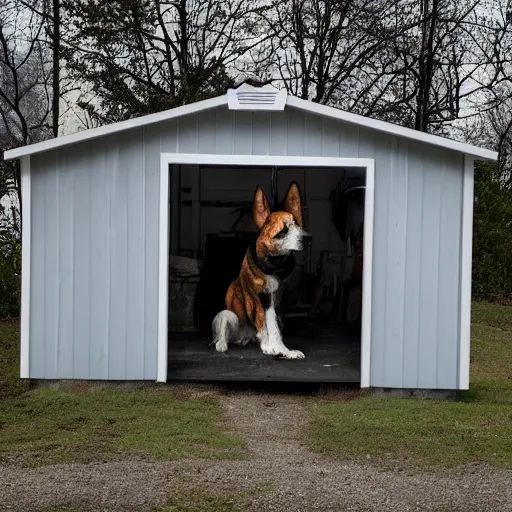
x,y
267,297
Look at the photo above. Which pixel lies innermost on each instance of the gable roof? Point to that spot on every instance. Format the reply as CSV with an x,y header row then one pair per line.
x,y
247,97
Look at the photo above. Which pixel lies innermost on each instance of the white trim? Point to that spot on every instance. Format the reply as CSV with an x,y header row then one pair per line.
x,y
466,267
292,101
163,271
393,129
366,323
109,129
264,160
167,159
26,194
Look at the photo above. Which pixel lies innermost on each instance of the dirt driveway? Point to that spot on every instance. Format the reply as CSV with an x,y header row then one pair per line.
x,y
280,475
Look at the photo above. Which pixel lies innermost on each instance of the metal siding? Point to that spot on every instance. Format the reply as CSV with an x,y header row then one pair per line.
x,y
278,133
114,226
100,265
449,272
261,133
396,264
412,290
296,133
37,269
51,290
132,160
81,262
151,223
188,134
66,207
206,134
330,138
95,260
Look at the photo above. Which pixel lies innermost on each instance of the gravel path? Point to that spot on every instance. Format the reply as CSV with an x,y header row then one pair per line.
x,y
279,475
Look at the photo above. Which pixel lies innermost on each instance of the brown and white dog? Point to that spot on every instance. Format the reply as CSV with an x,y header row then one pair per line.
x,y
251,300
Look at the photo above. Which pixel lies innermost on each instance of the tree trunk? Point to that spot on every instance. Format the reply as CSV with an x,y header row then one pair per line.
x,y
56,67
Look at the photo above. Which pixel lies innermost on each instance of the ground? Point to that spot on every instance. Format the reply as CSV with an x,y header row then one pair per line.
x,y
190,448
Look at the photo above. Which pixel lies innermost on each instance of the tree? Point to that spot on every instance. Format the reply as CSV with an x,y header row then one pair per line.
x,y
25,103
143,56
332,52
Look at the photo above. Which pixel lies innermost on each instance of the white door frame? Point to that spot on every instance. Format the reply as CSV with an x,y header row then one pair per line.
x,y
167,159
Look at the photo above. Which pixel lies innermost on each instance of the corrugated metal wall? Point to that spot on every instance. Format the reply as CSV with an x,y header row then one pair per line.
x,y
95,243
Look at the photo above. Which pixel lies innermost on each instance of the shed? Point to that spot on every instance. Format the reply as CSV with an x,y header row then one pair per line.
x,y
103,209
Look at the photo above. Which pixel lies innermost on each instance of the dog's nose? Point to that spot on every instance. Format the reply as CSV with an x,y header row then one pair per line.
x,y
306,239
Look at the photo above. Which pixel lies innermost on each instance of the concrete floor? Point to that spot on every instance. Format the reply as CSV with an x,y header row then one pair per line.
x,y
332,355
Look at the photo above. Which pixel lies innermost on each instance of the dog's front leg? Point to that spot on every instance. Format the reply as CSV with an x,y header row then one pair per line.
x,y
273,342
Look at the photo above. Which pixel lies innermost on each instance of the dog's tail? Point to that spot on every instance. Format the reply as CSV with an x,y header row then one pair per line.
x,y
224,327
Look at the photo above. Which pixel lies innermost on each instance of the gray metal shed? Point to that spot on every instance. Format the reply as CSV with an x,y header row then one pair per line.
x,y
96,234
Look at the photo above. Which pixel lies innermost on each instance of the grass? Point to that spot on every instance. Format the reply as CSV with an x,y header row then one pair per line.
x,y
45,427
10,384
195,500
429,433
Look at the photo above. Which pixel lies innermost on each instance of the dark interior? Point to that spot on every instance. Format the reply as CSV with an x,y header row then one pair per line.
x,y
211,229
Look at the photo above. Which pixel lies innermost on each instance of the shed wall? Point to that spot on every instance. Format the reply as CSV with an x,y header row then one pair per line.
x,y
95,243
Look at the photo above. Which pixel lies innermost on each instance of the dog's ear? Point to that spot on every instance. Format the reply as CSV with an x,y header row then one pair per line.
x,y
260,208
292,203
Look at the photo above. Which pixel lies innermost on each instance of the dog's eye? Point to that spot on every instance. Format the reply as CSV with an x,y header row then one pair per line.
x,y
282,233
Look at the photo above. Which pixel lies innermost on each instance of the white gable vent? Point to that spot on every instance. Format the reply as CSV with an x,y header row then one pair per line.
x,y
248,97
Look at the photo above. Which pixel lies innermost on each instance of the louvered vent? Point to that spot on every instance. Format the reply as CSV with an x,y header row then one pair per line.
x,y
247,97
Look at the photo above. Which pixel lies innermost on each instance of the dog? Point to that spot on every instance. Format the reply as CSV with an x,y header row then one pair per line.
x,y
251,300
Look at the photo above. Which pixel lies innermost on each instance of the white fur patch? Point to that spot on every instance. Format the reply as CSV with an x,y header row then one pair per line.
x,y
272,285
292,241
225,327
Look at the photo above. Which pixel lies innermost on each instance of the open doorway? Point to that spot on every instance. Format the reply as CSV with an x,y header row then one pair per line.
x,y
210,228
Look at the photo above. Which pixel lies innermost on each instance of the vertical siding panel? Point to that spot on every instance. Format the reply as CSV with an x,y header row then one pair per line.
x,y
188,133
37,268
51,292
412,270
118,268
82,268
132,161
449,271
375,145
349,140
100,263
313,137
152,181
206,134
330,138
429,272
295,133
224,139
396,265
66,266
261,133
168,136
278,137
243,133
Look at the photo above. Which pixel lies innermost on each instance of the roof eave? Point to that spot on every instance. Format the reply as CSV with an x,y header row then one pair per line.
x,y
400,131
292,101
94,133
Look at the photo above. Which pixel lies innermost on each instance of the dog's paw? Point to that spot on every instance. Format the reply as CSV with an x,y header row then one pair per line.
x,y
221,346
294,354
270,350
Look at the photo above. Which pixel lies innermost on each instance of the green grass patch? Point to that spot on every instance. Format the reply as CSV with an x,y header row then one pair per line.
x,y
430,433
44,427
492,315
188,498
10,382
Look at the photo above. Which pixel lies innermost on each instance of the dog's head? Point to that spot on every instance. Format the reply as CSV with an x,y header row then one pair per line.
x,y
280,231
